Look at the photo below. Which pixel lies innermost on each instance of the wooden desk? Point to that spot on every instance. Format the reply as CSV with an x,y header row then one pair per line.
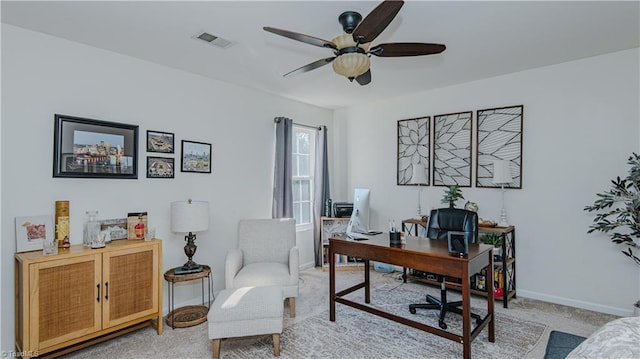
x,y
425,255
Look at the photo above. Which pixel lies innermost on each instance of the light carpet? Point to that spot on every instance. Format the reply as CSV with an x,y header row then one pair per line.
x,y
353,337
357,334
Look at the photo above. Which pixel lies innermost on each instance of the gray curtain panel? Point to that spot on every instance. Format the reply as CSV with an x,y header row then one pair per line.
x,y
321,190
282,183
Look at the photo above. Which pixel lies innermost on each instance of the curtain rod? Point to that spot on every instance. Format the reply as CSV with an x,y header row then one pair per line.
x,y
276,120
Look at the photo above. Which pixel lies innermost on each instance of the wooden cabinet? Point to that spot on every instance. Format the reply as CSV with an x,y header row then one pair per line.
x,y
83,296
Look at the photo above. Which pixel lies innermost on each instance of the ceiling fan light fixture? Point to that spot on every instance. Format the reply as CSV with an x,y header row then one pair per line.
x,y
353,63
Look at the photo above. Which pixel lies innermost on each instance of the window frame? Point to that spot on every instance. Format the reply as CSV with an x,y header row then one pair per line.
x,y
311,177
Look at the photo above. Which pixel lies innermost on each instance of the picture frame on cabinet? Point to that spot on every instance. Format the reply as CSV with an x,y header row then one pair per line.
x,y
117,227
87,148
137,225
162,142
196,157
32,231
160,167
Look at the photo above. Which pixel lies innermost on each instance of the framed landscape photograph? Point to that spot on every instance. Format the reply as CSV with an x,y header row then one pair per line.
x,y
32,231
160,142
86,148
196,157
160,167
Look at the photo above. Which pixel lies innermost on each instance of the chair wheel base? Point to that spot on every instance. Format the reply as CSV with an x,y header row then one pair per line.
x,y
442,324
412,310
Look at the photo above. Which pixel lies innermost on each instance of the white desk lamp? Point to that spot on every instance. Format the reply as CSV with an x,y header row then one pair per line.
x,y
419,177
188,217
502,177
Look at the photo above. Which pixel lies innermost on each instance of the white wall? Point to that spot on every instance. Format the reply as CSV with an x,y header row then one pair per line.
x,y
580,126
43,75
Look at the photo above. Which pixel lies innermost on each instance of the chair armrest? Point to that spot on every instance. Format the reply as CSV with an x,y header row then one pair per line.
x,y
294,262
232,265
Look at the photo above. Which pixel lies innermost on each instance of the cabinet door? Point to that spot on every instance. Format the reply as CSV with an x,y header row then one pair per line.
x,y
130,279
65,300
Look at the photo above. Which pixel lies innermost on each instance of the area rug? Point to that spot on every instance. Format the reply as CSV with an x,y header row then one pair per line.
x,y
357,334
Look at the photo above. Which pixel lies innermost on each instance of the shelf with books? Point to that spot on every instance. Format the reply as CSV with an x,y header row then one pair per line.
x,y
331,227
505,281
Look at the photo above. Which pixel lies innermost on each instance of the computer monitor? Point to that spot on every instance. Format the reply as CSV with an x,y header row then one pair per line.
x,y
359,222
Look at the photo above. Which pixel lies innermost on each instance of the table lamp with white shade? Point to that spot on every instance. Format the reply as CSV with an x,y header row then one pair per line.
x,y
502,176
189,217
419,177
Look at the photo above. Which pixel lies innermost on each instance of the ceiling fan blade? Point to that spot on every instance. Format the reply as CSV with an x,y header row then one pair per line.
x,y
399,49
312,66
365,78
377,20
311,40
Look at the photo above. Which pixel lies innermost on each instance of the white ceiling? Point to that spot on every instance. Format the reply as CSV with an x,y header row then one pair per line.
x,y
483,39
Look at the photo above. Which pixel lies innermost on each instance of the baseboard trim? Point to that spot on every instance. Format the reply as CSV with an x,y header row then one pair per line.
x,y
577,303
307,265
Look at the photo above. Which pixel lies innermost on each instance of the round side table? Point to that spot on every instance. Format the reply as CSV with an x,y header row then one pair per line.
x,y
189,315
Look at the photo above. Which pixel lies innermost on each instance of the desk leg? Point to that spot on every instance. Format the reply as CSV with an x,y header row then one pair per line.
x,y
466,314
367,287
490,298
332,285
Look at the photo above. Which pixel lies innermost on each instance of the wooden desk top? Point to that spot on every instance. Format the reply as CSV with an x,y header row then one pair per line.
x,y
418,245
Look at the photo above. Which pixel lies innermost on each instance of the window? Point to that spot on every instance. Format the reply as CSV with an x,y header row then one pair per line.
x,y
303,150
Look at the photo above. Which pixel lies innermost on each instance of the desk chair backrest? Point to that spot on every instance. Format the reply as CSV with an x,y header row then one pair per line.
x,y
445,220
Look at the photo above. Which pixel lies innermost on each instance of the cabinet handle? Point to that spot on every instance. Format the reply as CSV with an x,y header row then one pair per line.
x,y
106,297
98,297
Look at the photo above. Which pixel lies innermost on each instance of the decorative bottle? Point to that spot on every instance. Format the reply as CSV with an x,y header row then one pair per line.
x,y
139,228
91,233
62,223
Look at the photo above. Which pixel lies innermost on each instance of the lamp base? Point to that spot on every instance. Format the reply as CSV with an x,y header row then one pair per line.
x,y
503,218
183,270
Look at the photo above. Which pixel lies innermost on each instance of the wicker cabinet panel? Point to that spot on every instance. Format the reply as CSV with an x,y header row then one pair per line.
x,y
64,302
84,296
132,291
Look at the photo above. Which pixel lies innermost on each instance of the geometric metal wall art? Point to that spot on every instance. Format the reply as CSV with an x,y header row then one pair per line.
x,y
499,137
413,151
452,149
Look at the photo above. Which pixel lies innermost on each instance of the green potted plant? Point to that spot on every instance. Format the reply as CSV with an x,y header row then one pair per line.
x,y
451,195
622,221
494,240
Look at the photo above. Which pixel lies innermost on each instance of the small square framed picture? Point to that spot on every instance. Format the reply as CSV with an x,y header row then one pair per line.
x,y
32,231
160,142
160,167
196,157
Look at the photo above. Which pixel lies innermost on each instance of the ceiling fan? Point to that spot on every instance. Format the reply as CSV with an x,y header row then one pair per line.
x,y
352,50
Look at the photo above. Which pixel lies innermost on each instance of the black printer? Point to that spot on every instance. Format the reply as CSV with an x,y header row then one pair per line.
x,y
342,209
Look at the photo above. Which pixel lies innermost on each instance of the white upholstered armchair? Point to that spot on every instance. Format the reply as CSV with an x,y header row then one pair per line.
x,y
266,255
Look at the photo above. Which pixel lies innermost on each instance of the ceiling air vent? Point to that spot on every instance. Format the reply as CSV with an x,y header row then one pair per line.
x,y
213,40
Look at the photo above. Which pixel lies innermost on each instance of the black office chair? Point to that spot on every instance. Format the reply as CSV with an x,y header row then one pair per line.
x,y
441,222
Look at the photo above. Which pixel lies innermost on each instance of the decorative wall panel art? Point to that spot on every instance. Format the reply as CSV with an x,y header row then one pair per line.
x,y
452,149
413,151
499,137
